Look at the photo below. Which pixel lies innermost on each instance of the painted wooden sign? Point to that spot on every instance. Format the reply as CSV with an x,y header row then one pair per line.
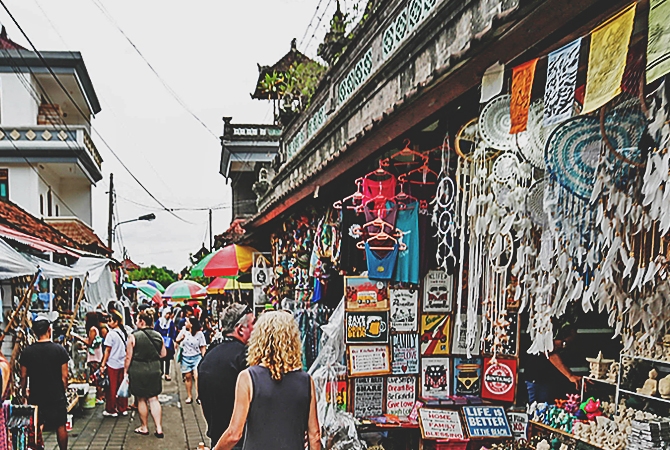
x,y
435,376
440,424
404,310
438,291
363,293
369,360
467,376
486,421
400,395
499,379
405,353
367,326
459,345
435,330
368,397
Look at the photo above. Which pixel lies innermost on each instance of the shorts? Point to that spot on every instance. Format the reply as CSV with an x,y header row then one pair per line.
x,y
190,363
52,415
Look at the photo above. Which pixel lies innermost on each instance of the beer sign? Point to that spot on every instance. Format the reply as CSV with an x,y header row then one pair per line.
x,y
499,379
367,327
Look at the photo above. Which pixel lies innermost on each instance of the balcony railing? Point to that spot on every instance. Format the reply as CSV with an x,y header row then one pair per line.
x,y
47,137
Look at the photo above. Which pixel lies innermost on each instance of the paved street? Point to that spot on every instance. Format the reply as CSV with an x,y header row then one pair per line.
x,y
184,426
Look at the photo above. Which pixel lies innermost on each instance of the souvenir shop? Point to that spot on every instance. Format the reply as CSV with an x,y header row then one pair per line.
x,y
524,226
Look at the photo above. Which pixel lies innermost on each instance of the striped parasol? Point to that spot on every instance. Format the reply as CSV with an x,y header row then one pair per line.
x,y
221,285
153,283
184,290
229,261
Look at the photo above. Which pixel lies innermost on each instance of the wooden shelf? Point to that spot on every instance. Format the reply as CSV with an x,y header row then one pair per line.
x,y
650,397
561,432
658,361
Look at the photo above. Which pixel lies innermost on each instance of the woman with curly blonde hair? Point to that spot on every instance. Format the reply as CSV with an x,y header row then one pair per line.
x,y
273,397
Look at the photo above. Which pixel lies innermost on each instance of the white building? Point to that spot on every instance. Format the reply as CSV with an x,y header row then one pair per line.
x,y
48,162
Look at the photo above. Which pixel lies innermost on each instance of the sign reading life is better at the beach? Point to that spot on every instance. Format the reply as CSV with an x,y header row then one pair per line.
x,y
486,421
440,424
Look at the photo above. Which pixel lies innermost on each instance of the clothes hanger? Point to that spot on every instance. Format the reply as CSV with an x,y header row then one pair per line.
x,y
382,236
379,171
405,153
425,171
356,196
404,196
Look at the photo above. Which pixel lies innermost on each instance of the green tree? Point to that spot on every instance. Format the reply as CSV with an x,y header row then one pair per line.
x,y
161,274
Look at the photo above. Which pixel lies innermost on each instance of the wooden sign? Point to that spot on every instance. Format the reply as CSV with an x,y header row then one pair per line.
x,y
363,293
404,310
486,421
339,390
367,326
368,397
435,376
518,423
511,347
369,360
435,330
499,380
400,395
459,346
405,349
467,376
440,424
438,290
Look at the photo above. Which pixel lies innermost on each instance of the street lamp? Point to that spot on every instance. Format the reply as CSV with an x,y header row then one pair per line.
x,y
147,217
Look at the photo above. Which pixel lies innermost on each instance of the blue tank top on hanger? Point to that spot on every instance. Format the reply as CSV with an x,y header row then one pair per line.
x,y
381,268
407,268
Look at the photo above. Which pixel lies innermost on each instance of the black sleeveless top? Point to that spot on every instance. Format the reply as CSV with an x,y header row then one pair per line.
x,y
279,411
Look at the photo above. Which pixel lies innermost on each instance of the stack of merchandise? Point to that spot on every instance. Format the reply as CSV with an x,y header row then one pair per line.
x,y
649,435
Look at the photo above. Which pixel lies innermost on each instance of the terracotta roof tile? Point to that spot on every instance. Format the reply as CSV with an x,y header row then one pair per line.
x,y
79,232
6,43
17,218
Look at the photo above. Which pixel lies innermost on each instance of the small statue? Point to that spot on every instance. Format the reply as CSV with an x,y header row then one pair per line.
x,y
543,445
599,366
664,387
650,386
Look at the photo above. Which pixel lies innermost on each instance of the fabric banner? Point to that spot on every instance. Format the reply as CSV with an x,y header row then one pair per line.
x,y
492,82
607,59
559,90
522,85
658,47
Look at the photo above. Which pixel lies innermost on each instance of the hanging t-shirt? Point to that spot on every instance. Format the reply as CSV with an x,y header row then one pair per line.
x,y
407,267
387,212
375,188
351,257
381,267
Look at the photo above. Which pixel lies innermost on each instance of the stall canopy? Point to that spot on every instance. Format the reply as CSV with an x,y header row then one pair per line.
x,y
13,264
34,242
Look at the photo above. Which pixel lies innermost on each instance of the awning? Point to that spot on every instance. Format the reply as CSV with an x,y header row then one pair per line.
x,y
14,264
33,242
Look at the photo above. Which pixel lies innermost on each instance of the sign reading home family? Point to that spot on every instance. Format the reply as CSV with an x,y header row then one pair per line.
x,y
440,424
363,293
405,353
486,421
367,326
438,291
404,309
400,395
369,360
368,397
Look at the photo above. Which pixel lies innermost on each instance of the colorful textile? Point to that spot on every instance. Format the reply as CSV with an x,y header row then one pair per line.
x,y
381,267
607,59
492,82
658,47
407,267
559,90
522,85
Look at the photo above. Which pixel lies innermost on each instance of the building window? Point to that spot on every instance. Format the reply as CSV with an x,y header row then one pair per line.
x,y
49,204
41,205
4,184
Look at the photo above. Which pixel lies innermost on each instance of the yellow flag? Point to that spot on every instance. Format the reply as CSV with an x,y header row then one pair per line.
x,y
658,48
607,59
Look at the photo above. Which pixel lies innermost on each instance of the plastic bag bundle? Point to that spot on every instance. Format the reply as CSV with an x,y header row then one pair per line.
x,y
124,391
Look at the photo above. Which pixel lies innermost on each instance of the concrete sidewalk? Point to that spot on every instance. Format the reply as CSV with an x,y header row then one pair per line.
x,y
183,425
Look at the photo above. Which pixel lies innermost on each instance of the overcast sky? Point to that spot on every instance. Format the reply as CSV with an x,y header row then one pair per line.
x,y
206,51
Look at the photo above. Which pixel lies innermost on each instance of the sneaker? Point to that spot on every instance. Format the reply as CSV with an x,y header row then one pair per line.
x,y
99,402
109,414
124,413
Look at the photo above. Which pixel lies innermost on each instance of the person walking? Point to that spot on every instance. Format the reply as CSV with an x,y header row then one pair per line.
x,y
274,398
44,364
113,361
166,328
143,360
193,347
94,343
220,367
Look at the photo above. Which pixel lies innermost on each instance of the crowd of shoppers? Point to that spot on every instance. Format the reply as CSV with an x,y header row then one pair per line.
x,y
260,388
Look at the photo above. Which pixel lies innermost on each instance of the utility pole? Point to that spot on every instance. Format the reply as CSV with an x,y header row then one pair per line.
x,y
110,223
211,242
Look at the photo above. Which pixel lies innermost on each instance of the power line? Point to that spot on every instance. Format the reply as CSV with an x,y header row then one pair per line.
x,y
317,24
83,115
310,23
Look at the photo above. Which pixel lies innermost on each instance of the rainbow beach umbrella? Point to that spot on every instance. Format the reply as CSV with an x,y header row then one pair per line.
x,y
221,285
184,290
229,261
151,292
154,284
